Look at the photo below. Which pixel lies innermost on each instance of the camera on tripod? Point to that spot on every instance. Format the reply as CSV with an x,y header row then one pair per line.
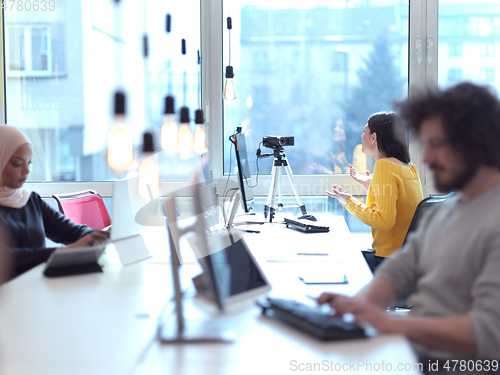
x,y
271,141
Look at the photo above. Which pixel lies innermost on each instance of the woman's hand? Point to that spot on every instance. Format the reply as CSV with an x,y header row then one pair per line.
x,y
93,238
342,196
340,161
318,168
362,179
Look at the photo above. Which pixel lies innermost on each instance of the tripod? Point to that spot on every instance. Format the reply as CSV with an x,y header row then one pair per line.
x,y
280,161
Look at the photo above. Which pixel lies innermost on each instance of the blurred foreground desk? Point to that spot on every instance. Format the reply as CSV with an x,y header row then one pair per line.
x,y
97,323
265,346
106,323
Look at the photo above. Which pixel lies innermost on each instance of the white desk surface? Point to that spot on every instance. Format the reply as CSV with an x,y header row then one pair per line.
x,y
89,324
106,323
265,346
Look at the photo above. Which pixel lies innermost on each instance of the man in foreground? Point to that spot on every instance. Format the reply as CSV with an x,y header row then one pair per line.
x,y
452,261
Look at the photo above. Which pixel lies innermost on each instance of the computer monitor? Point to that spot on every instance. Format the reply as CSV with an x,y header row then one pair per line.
x,y
244,177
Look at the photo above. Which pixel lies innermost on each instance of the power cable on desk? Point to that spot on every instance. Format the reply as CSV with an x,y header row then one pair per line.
x,y
258,153
235,190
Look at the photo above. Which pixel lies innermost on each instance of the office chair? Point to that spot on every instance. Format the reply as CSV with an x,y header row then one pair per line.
x,y
84,207
422,207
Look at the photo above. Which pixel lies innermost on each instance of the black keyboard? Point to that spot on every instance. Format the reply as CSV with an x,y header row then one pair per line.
x,y
310,320
306,228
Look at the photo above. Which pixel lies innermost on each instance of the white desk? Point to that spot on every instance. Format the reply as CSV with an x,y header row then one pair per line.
x,y
90,324
277,247
265,346
106,323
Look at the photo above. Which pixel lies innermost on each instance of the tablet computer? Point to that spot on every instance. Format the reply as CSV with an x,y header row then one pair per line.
x,y
231,272
65,262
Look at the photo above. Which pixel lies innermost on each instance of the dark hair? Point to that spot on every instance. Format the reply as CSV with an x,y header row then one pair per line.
x,y
470,115
391,140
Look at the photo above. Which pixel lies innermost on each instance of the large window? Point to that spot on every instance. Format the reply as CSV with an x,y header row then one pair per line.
x,y
314,70
63,65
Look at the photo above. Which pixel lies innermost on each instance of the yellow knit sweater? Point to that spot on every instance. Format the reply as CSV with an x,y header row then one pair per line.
x,y
393,196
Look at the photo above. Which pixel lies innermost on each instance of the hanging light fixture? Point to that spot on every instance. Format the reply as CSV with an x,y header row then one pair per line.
x,y
200,144
185,135
169,129
120,142
149,180
149,174
229,89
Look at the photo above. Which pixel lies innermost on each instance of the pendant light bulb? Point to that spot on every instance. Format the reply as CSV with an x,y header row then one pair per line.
x,y
185,135
229,89
149,174
120,142
200,143
169,129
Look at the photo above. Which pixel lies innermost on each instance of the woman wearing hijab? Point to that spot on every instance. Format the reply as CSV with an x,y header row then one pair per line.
x,y
26,218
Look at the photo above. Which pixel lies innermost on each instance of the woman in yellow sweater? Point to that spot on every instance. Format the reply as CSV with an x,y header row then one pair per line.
x,y
394,189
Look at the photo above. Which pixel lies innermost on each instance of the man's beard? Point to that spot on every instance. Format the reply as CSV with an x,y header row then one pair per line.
x,y
461,178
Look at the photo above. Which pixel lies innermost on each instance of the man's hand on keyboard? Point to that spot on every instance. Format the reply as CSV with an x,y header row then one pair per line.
x,y
364,311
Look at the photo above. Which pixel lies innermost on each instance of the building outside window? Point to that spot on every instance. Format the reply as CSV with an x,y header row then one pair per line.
x,y
29,50
487,49
454,75
455,49
488,74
